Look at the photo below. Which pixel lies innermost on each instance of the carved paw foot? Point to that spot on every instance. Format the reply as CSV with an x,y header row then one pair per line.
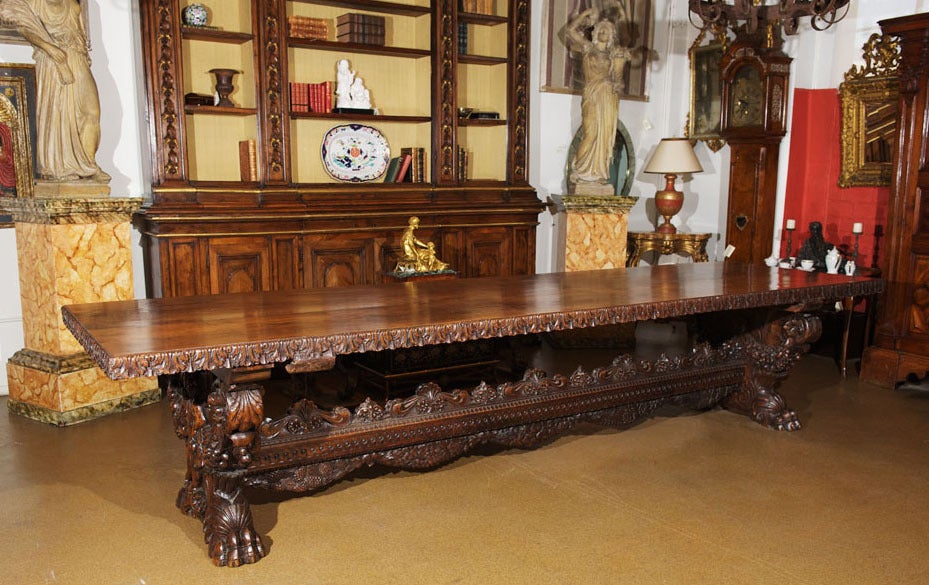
x,y
241,546
228,529
785,420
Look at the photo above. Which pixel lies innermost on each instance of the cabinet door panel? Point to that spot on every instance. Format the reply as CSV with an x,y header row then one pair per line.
x,y
489,252
239,265
340,260
183,261
752,187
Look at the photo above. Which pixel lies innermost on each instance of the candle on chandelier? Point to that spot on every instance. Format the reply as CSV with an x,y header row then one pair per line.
x,y
857,228
791,224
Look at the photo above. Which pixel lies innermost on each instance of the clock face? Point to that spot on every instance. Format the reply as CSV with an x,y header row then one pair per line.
x,y
746,106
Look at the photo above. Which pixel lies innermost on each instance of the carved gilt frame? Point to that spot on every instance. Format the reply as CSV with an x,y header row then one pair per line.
x,y
869,100
15,143
704,118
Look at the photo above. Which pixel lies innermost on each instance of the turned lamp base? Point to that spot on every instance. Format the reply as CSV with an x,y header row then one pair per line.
x,y
668,202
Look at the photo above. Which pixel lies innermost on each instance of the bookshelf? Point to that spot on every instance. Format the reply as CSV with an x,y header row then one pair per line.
x,y
208,231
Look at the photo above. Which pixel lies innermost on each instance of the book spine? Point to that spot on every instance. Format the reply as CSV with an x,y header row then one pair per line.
x,y
404,167
248,161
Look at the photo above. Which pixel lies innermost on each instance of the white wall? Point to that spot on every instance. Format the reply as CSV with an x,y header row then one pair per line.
x,y
820,60
115,53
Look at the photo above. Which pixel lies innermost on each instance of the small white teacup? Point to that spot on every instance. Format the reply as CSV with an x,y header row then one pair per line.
x,y
806,264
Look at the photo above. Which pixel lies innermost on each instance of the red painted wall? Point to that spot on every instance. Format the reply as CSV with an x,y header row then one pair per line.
x,y
813,192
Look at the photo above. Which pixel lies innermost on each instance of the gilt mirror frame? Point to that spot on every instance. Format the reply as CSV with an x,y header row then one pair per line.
x,y
869,99
704,120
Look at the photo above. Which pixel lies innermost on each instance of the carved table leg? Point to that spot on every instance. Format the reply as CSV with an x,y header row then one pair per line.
x,y
770,351
218,423
227,524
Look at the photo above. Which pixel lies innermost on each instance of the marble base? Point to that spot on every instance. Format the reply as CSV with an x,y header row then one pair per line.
x,y
69,250
595,237
70,389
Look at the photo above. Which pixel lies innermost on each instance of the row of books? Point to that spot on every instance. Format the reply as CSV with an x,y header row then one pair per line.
x,y
462,38
409,167
366,29
418,163
305,27
477,6
310,97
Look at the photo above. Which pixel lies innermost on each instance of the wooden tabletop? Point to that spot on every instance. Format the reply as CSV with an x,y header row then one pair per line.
x,y
163,336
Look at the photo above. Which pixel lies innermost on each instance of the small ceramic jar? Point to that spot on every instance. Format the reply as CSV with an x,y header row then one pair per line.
x,y
195,15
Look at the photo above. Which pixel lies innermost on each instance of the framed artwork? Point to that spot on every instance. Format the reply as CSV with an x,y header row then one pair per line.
x,y
9,34
561,68
705,116
17,133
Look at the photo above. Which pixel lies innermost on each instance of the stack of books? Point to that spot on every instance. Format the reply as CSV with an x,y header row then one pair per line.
x,y
305,27
417,172
366,29
248,161
478,6
310,97
462,164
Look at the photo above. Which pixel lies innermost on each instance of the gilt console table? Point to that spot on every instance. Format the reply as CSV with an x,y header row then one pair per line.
x,y
195,345
693,245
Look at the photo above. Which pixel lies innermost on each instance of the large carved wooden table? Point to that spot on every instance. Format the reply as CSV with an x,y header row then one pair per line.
x,y
196,344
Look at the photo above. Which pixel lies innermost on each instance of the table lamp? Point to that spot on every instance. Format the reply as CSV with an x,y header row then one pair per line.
x,y
673,156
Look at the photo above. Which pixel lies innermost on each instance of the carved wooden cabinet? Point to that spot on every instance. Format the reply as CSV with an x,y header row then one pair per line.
x,y
292,225
901,341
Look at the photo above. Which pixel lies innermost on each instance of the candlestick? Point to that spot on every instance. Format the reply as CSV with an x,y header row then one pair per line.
x,y
791,224
857,228
857,235
789,227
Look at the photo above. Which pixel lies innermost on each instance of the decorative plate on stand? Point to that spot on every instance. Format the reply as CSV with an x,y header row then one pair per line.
x,y
355,152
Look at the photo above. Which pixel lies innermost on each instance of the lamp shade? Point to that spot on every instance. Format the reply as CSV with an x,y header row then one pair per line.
x,y
673,155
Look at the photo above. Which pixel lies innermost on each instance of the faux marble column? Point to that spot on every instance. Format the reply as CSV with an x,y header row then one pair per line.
x,y
595,237
69,251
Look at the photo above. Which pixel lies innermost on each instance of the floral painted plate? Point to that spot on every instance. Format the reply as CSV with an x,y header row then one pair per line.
x,y
355,152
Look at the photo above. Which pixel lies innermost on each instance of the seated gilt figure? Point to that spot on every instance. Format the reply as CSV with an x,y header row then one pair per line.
x,y
417,256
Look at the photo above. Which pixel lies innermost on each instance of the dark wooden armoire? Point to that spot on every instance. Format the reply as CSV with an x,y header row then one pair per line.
x,y
901,345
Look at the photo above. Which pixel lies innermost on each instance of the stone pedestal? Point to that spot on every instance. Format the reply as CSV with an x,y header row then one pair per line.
x,y
70,251
595,235
595,239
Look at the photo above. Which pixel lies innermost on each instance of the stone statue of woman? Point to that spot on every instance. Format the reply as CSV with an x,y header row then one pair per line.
x,y
603,63
68,108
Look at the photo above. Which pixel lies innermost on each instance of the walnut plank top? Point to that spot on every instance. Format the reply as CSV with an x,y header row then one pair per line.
x,y
163,336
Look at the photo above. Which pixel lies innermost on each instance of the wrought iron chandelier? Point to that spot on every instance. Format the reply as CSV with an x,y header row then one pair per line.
x,y
729,13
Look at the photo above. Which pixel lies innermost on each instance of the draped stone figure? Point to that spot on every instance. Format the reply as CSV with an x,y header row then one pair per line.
x,y
603,64
68,108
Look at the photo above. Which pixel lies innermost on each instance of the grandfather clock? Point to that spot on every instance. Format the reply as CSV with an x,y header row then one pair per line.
x,y
755,75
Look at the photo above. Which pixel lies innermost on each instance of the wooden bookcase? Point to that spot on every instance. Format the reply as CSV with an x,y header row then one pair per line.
x,y
206,231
